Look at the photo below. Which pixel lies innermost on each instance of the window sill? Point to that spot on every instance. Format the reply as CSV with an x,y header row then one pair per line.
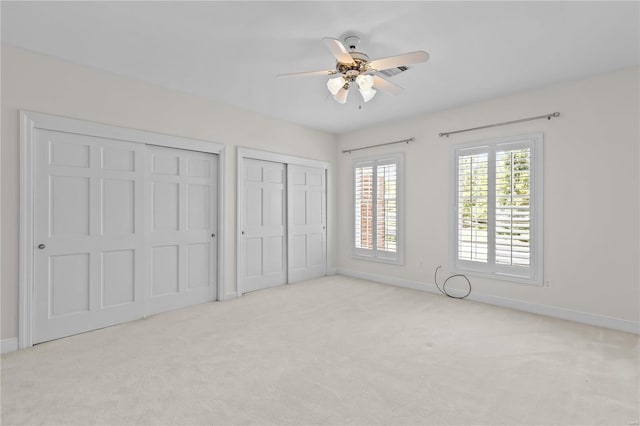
x,y
378,259
518,279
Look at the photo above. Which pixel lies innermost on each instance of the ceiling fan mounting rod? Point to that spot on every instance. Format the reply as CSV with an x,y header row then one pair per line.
x,y
352,41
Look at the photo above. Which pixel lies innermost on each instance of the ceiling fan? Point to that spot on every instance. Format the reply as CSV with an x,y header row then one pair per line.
x,y
355,67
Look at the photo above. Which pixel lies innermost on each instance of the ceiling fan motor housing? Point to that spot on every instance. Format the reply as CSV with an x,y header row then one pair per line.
x,y
351,71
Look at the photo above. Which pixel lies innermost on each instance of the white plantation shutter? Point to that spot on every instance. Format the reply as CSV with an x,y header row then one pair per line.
x,y
387,203
473,202
513,216
377,227
364,206
497,203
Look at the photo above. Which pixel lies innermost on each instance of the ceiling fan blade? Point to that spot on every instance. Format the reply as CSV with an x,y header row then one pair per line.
x,y
398,61
307,74
386,86
338,50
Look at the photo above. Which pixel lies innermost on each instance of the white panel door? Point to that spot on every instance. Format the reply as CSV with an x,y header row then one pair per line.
x,y
263,225
89,251
181,227
307,223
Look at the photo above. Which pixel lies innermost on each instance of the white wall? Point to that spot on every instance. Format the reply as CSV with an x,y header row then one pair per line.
x,y
591,192
591,164
40,83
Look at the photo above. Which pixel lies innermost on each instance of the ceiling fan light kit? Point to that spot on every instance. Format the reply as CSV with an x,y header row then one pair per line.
x,y
365,84
341,96
355,67
335,84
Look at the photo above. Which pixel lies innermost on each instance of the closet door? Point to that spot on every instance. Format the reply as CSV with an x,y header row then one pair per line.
x,y
89,251
263,235
182,230
307,223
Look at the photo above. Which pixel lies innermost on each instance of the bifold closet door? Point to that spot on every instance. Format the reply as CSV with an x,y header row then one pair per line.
x,y
89,233
263,235
182,199
307,222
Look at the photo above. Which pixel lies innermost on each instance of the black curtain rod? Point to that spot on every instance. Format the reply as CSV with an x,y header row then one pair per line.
x,y
547,116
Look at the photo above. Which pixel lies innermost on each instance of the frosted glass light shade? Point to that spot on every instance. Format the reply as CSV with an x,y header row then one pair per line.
x,y
335,84
341,96
367,94
365,82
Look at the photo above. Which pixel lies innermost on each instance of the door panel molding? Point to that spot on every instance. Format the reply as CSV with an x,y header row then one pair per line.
x,y
30,122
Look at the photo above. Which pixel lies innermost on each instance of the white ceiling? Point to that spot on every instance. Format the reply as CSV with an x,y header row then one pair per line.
x,y
231,52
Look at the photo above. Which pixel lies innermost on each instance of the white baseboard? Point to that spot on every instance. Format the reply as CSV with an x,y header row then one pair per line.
x,y
535,308
8,345
229,296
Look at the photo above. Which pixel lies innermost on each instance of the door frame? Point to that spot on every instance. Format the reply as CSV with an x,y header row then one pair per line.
x,y
257,154
31,121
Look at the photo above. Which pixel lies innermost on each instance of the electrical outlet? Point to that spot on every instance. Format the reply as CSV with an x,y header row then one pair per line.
x,y
547,283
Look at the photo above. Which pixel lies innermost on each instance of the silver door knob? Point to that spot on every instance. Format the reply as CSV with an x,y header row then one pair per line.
x,y
41,246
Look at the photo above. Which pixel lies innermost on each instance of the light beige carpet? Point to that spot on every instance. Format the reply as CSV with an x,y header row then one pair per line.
x,y
330,351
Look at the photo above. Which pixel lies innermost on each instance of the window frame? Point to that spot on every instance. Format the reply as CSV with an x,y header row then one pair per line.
x,y
534,273
374,254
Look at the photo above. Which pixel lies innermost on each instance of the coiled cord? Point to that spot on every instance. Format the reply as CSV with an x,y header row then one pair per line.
x,y
443,290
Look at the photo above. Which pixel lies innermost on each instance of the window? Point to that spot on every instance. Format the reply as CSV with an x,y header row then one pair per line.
x,y
497,208
377,208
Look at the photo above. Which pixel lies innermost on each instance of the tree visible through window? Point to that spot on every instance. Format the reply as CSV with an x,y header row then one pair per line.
x,y
376,208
